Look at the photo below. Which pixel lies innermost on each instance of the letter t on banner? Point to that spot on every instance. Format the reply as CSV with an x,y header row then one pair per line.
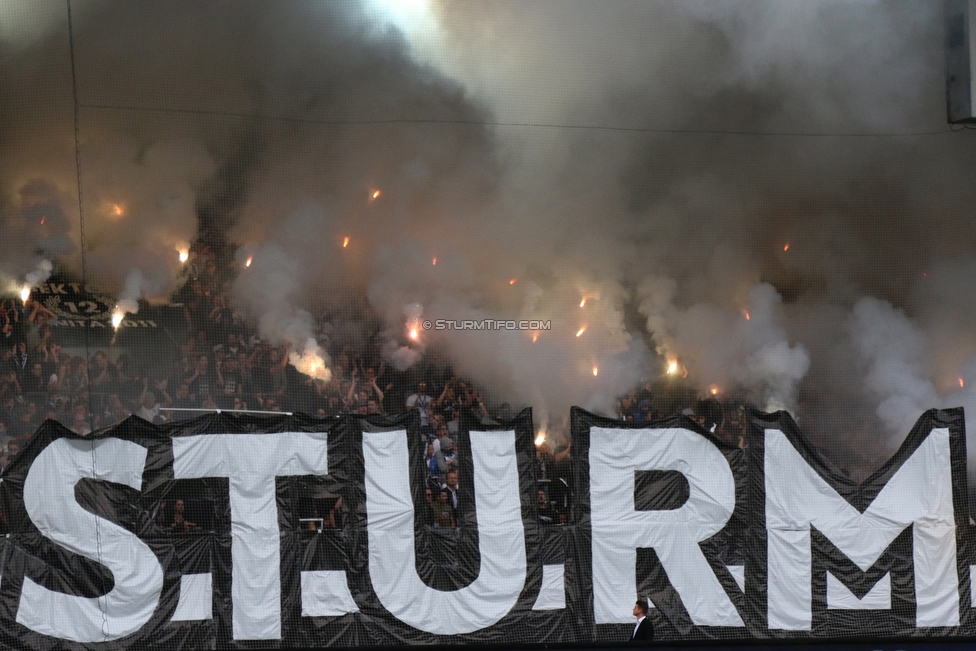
x,y
251,469
619,529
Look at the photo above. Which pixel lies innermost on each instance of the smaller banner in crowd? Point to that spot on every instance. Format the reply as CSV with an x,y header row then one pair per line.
x,y
231,531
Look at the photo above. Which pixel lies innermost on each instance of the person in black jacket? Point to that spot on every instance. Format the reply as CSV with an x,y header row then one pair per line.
x,y
644,629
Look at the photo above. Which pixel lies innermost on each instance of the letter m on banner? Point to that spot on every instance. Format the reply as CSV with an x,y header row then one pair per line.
x,y
885,549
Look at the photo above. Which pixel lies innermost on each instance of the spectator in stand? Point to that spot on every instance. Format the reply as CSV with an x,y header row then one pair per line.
x,y
103,376
21,360
57,377
77,378
229,377
180,524
447,401
442,434
373,407
80,420
422,403
443,513
9,385
446,457
547,515
148,406
35,383
200,380
115,411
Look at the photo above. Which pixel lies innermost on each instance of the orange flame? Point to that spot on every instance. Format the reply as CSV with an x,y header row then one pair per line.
x,y
714,390
117,209
746,315
787,247
672,367
434,262
595,371
375,195
250,259
345,242
43,219
961,383
535,336
414,334
583,302
581,331
512,281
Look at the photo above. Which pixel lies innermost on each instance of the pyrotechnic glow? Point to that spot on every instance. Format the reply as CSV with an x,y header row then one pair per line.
x,y
596,370
672,367
117,317
249,261
434,262
43,219
540,439
961,383
311,364
345,242
583,302
512,281
117,209
375,195
25,293
581,331
787,247
414,334
745,314
184,255
714,390
535,336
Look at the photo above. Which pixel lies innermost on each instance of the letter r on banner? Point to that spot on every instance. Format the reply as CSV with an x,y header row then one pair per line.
x,y
619,529
251,462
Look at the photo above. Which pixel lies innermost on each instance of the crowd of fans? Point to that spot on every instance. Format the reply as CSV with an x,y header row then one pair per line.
x,y
221,363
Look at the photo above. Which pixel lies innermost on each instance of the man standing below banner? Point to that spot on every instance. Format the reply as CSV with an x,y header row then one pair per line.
x,y
643,629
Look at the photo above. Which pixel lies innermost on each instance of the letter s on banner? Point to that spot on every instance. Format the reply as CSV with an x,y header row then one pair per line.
x,y
392,552
49,497
619,529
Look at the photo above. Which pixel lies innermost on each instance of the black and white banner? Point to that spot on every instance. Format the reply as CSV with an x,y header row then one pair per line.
x,y
232,531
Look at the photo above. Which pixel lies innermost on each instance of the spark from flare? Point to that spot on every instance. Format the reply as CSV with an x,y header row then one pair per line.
x,y
250,259
962,384
540,439
714,390
414,334
117,317
583,302
345,242
787,247
375,195
581,331
43,219
118,210
184,255
596,371
434,262
25,293
512,281
535,336
672,367
746,315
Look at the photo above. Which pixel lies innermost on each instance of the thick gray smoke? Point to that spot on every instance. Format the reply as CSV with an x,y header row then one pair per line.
x,y
825,274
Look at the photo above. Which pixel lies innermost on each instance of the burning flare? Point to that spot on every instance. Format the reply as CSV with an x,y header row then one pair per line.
x,y
596,370
787,247
117,210
540,438
184,255
672,367
345,242
745,314
434,262
581,331
535,336
375,195
962,384
713,390
310,361
117,317
250,259
583,302
25,293
512,281
414,334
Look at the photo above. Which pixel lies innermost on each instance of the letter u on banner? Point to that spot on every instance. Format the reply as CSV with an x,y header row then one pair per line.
x,y
392,553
